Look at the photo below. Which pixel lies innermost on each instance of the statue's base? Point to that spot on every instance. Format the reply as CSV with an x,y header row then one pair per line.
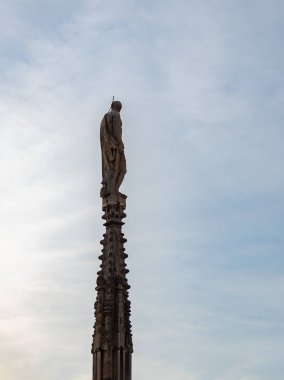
x,y
114,199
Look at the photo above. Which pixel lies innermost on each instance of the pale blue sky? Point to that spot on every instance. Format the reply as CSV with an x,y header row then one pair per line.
x,y
202,87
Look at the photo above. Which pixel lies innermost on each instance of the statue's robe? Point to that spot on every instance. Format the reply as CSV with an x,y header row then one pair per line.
x,y
113,158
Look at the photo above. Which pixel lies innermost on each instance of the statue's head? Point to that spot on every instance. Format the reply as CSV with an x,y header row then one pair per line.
x,y
116,105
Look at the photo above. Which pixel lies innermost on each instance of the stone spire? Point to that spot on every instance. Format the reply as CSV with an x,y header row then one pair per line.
x,y
112,339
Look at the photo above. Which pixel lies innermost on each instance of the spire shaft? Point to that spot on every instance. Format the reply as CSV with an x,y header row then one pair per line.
x,y
112,339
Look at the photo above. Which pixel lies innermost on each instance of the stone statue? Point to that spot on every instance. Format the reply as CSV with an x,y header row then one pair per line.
x,y
113,158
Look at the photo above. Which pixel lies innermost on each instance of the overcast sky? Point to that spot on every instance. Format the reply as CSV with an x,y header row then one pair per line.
x,y
201,84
